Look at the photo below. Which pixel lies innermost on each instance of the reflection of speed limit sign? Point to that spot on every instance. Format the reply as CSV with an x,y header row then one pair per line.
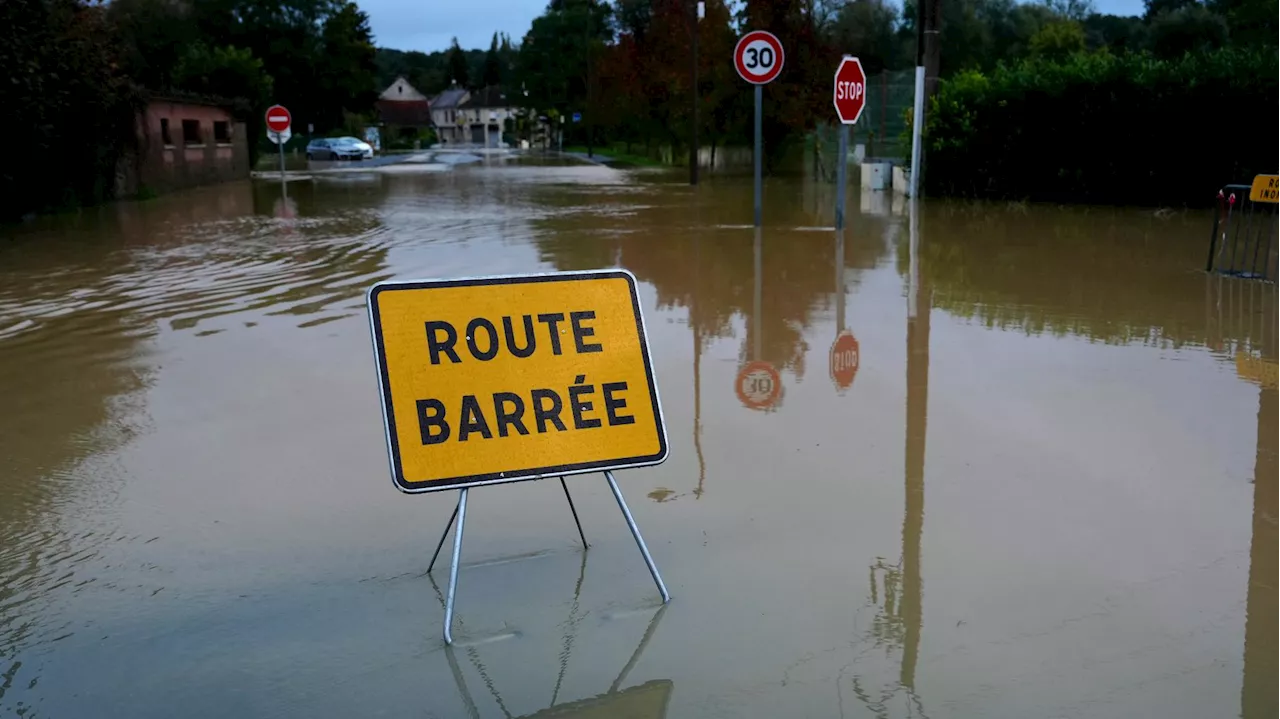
x,y
758,57
758,385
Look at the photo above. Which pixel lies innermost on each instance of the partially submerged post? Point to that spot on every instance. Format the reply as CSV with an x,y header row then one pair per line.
x,y
758,58
849,95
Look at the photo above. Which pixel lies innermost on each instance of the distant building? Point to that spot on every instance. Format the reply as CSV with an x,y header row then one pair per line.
x,y
403,110
486,111
183,143
446,114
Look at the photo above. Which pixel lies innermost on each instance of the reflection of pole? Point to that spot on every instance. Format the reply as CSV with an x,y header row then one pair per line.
x,y
1258,693
759,152
839,264
635,656
917,422
759,287
695,320
284,186
913,279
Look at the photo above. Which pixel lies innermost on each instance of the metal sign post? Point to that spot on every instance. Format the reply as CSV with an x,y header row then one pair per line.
x,y
553,378
278,121
758,186
758,58
280,138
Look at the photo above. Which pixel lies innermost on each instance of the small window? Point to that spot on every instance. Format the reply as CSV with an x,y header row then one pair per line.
x,y
191,132
165,136
221,132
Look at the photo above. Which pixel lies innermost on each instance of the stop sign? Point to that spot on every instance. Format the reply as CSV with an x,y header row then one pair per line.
x,y
845,357
278,118
850,95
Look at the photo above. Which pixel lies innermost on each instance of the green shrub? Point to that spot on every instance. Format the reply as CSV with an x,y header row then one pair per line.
x,y
1101,128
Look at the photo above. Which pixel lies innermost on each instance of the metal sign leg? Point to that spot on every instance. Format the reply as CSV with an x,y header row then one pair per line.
x,y
443,534
453,567
635,532
573,509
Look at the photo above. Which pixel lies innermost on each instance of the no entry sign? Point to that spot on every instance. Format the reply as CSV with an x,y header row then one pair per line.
x,y
758,57
500,379
278,118
850,94
844,360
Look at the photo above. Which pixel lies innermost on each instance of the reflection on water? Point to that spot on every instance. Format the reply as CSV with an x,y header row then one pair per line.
x,y
194,495
644,701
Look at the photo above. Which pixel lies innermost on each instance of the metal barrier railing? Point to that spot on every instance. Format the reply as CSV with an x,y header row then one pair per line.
x,y
1243,243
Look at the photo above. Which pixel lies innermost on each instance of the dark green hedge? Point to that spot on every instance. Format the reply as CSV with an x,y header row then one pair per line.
x,y
1100,128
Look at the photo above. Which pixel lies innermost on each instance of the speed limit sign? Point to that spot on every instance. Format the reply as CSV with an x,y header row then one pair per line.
x,y
758,57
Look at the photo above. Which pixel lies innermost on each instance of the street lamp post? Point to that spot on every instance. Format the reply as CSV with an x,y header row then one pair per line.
x,y
698,11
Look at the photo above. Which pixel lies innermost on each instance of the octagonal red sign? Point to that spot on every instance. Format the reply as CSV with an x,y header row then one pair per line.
x,y
850,92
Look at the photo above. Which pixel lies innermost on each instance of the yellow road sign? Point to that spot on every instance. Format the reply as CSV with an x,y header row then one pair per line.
x,y
1266,188
499,379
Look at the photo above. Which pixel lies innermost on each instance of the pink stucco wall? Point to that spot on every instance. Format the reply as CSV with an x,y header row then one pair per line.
x,y
164,167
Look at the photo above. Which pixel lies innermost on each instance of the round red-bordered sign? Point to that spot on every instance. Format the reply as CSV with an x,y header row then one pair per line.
x,y
758,385
759,57
278,118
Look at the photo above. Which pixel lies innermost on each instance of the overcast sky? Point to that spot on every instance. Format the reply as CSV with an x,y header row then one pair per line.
x,y
415,25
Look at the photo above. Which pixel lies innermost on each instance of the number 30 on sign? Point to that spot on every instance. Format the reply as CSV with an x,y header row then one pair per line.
x,y
759,57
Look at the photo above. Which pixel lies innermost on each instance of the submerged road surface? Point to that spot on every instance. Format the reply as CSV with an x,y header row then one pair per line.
x,y
1046,489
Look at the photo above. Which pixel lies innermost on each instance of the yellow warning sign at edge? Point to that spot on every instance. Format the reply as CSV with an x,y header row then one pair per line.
x,y
501,379
1266,188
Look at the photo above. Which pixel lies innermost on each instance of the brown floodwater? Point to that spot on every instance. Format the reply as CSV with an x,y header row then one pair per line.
x,y
1049,490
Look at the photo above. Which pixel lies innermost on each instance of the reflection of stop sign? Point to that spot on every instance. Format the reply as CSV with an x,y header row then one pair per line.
x,y
278,118
758,385
850,91
844,360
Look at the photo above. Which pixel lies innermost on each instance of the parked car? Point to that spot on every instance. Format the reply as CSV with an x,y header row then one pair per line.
x,y
331,149
366,150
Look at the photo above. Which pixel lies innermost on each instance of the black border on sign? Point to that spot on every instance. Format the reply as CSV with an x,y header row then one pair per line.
x,y
476,480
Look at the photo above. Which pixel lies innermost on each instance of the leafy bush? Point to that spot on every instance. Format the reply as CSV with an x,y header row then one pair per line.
x,y
1127,129
68,109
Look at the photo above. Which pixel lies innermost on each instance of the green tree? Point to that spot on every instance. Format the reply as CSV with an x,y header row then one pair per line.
x,y
492,73
1251,22
1152,8
1057,41
287,36
553,63
1116,33
458,71
346,67
1192,28
68,105
869,29
224,72
154,35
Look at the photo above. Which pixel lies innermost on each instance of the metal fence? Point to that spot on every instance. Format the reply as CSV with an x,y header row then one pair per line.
x,y
1243,242
883,129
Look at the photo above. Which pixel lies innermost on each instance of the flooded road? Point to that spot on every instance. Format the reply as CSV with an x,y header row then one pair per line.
x,y
1049,489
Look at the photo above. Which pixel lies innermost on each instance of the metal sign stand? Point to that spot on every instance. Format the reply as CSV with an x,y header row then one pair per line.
x,y
460,514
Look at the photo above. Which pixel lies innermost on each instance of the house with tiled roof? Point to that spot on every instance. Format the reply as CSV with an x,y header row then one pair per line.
x,y
451,127
403,108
